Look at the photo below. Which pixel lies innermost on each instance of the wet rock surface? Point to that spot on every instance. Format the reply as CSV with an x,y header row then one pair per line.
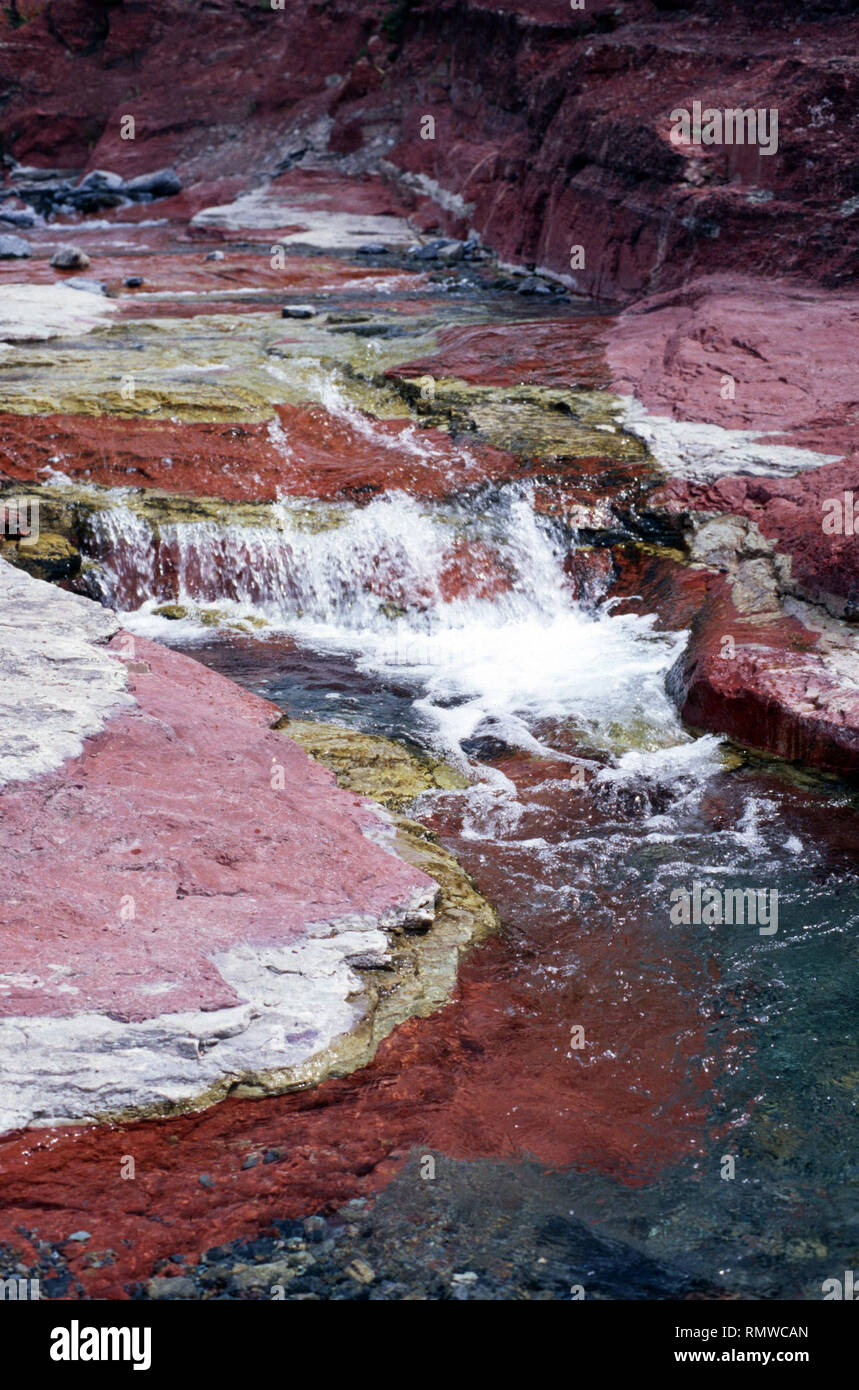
x,y
195,1031
264,385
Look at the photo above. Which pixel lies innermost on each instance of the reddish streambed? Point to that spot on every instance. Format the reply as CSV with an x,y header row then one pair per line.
x,y
698,1044
596,1059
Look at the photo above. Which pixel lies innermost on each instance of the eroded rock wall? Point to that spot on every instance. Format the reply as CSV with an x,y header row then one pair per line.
x,y
550,126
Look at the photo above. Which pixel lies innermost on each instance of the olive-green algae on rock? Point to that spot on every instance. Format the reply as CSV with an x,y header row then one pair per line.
x,y
207,369
372,765
538,421
50,556
418,974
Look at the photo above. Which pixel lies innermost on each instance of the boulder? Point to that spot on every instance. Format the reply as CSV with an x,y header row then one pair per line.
x,y
13,248
164,183
70,258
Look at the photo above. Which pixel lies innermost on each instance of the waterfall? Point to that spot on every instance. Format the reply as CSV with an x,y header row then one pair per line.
x,y
471,600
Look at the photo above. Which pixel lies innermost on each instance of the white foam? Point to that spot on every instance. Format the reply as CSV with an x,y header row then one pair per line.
x,y
374,586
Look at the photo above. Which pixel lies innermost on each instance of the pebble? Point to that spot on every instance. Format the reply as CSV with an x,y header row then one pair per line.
x,y
162,184
102,178
80,1235
366,960
297,311
452,253
205,1181
442,248
361,1272
133,282
180,1287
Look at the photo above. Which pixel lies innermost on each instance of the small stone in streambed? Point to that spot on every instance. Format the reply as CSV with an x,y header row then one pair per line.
x,y
451,253
360,1271
180,1287
486,747
174,611
14,218
102,178
70,258
297,311
206,1181
473,251
86,286
273,1156
372,248
440,248
133,282
250,1162
367,961
214,256
316,1228
13,248
56,1287
80,1236
348,316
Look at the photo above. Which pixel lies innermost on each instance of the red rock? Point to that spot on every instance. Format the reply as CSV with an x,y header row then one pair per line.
x,y
791,512
769,691
761,679
789,351
328,457
546,352
473,570
590,572
534,161
476,1080
178,790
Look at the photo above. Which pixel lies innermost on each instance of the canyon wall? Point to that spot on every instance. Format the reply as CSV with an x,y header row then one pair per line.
x,y
551,125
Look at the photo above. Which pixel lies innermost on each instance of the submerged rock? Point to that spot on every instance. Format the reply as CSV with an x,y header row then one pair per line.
x,y
175,611
371,765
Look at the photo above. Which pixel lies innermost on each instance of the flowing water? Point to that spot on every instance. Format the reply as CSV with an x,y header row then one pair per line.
x,y
687,1090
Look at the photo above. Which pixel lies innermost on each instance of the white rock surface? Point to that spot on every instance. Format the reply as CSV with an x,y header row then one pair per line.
x,y
49,311
300,999
706,452
324,228
58,685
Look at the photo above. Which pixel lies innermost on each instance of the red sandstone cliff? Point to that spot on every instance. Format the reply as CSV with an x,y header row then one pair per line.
x,y
551,125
